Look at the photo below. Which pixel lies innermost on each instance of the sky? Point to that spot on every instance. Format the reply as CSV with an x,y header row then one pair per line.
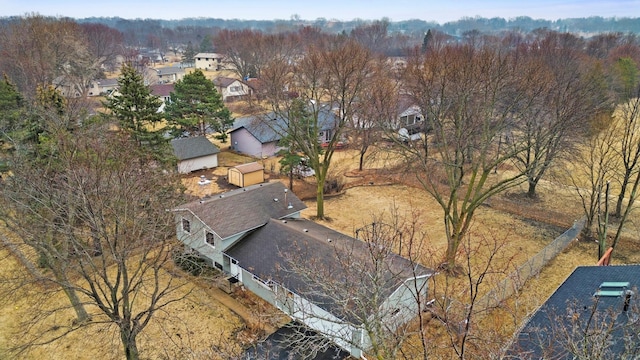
x,y
440,11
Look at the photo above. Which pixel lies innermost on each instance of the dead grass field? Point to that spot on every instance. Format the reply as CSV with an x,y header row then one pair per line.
x,y
524,226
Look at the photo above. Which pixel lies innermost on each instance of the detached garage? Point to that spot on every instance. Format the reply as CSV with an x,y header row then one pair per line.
x,y
195,153
246,174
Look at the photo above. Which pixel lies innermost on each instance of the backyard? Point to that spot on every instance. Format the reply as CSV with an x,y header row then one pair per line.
x,y
207,321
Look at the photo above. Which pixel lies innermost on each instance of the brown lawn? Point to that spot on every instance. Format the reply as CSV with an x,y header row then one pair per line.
x,y
523,226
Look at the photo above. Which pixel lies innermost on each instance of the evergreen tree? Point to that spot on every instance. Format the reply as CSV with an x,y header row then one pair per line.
x,y
188,56
136,110
426,41
11,109
197,107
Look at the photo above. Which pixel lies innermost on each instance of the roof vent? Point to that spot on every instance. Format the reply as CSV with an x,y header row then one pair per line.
x,y
275,199
612,289
329,240
305,230
221,196
284,221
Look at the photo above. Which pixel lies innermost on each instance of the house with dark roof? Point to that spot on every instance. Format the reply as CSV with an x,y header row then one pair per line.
x,y
259,135
255,234
253,136
162,91
195,153
594,313
231,89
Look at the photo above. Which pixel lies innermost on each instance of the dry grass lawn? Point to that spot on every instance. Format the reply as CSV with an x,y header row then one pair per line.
x,y
524,227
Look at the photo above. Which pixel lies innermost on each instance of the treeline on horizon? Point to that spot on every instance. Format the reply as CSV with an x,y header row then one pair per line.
x,y
198,33
594,24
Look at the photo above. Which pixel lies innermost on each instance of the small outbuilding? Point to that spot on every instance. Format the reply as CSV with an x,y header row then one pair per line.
x,y
246,174
195,153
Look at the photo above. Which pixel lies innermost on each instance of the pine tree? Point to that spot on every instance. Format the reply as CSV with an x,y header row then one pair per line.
x,y
197,107
136,110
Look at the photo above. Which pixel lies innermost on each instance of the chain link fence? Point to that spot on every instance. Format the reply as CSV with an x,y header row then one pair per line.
x,y
532,267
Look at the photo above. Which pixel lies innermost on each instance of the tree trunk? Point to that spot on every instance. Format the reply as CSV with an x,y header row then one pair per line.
x,y
129,342
81,313
320,198
291,178
361,163
531,193
623,190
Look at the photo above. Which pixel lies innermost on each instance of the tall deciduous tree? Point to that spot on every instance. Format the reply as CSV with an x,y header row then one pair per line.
x,y
327,80
98,210
562,92
196,107
461,90
55,49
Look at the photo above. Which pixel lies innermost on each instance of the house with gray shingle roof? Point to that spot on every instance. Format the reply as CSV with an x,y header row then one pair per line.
x,y
257,236
594,313
195,153
259,135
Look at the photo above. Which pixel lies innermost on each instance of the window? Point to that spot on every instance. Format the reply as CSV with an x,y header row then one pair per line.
x,y
235,88
186,226
209,238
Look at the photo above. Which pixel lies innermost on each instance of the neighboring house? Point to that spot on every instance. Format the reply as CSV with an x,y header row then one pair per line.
x,y
168,75
163,91
195,153
255,137
100,87
251,233
231,89
258,136
410,119
589,300
208,61
246,174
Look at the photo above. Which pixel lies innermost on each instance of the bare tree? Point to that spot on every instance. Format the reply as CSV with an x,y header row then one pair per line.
x,y
52,44
327,82
375,110
356,285
594,163
462,91
94,208
564,91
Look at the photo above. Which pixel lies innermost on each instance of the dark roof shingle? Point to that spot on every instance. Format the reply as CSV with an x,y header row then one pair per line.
x,y
193,147
244,209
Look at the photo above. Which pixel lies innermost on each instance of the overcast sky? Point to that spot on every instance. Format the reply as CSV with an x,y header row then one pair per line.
x,y
440,11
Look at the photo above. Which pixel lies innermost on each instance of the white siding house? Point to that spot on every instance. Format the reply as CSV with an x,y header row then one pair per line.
x,y
231,89
195,153
208,61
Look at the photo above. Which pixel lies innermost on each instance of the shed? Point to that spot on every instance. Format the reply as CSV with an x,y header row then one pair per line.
x,y
195,153
246,174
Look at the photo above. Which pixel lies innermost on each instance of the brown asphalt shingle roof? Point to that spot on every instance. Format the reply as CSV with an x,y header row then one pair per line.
x,y
249,168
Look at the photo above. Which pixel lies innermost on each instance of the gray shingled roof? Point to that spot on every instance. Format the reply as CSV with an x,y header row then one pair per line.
x,y
276,126
244,209
263,132
193,147
537,339
267,253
